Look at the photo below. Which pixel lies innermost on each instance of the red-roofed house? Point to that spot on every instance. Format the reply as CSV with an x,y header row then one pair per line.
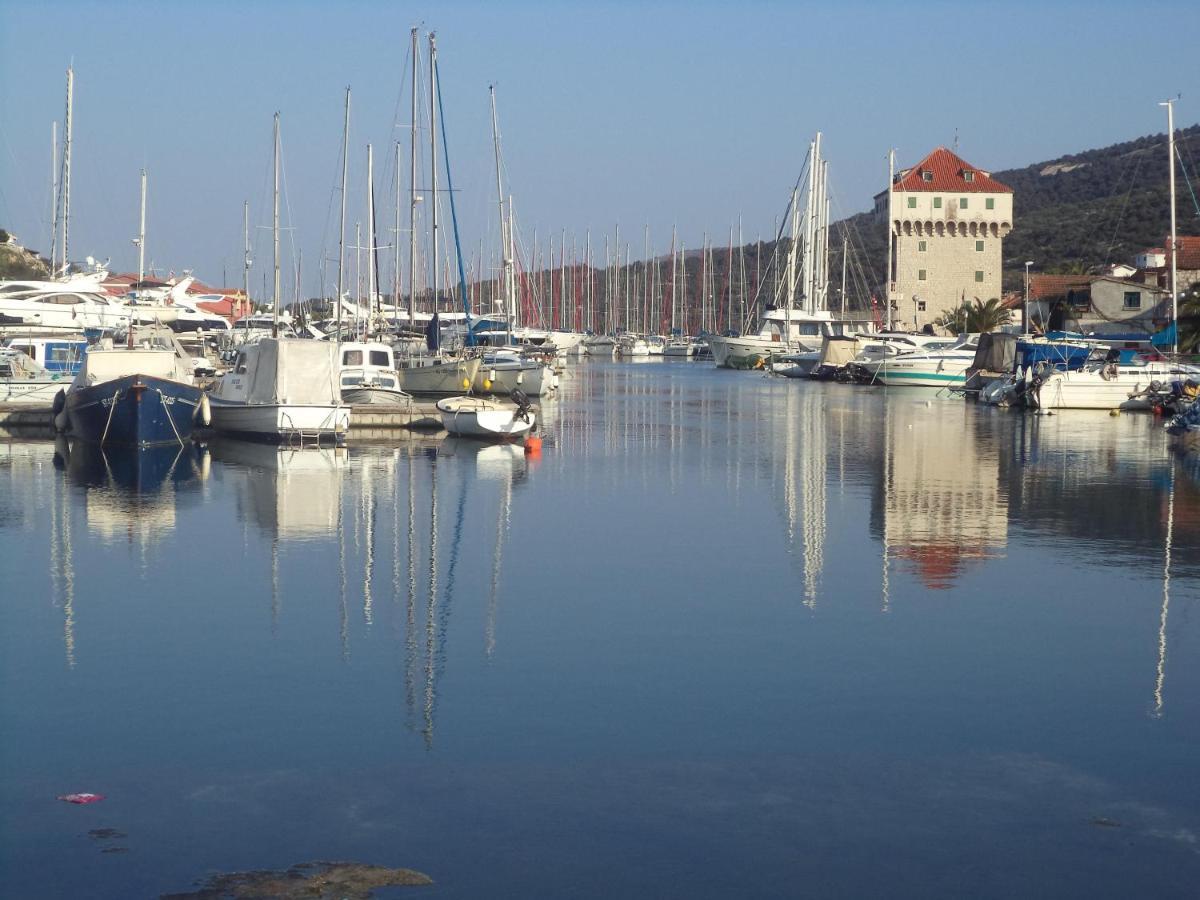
x,y
948,221
1098,304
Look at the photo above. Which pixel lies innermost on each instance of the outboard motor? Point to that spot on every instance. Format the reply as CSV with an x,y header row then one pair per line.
x,y
521,399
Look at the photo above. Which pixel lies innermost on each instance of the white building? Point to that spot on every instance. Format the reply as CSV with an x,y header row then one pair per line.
x,y
948,221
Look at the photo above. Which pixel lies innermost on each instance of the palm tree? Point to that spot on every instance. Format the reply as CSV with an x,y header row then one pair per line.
x,y
975,317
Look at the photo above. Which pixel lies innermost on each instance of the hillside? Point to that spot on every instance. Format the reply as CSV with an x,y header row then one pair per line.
x,y
19,264
1081,212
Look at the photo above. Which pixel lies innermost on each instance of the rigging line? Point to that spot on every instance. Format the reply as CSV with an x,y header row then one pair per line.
x,y
1124,205
1187,180
291,229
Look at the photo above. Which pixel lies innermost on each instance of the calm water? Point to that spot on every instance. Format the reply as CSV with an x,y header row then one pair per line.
x,y
728,636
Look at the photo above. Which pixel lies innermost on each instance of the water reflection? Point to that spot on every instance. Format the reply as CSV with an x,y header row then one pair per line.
x,y
939,500
415,511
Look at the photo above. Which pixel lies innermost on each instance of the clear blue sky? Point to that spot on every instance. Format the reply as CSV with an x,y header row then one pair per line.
x,y
611,113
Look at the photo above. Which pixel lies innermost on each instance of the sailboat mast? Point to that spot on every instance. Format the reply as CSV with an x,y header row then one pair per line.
x,y
396,243
845,256
141,241
505,260
887,290
246,252
370,235
412,189
342,226
1170,105
275,233
66,184
433,89
53,191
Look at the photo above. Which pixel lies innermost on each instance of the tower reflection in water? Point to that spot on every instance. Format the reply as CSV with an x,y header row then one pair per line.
x,y
419,504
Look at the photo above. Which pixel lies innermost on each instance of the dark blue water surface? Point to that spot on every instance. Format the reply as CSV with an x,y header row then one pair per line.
x,y
728,636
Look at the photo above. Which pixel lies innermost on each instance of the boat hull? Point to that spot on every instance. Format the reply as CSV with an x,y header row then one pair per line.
x,y
34,392
477,418
375,396
750,352
443,378
134,410
282,422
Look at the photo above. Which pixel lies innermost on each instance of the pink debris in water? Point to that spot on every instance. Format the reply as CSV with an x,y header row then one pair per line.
x,y
82,798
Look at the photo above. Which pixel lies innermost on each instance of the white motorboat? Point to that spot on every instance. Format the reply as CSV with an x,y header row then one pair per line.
x,y
71,306
632,345
599,345
1106,385
874,349
656,345
680,346
929,367
22,380
368,375
282,389
480,417
782,332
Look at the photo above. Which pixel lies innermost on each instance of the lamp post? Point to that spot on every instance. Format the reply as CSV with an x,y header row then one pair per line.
x,y
916,303
1028,263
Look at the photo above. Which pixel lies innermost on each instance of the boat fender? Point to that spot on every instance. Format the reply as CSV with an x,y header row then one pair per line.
x,y
60,402
61,422
204,411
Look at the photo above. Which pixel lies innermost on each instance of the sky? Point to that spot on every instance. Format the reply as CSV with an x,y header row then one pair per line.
x,y
613,115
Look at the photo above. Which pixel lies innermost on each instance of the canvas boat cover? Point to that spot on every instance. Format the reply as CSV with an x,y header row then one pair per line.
x,y
997,352
837,351
295,371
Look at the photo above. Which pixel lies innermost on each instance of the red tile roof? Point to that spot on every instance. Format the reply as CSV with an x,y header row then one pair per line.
x,y
1189,253
1042,286
947,174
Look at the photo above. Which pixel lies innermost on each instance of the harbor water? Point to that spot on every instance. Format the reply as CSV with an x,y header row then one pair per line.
x,y
725,636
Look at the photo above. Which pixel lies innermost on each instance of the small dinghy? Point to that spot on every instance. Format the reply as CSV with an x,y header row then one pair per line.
x,y
479,417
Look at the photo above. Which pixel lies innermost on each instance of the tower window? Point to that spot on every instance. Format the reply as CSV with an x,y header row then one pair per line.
x,y
937,202
979,245
920,306
968,176
921,275
962,202
990,203
912,202
922,246
978,275
926,175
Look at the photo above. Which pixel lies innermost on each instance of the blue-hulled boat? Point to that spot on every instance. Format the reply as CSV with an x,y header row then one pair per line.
x,y
138,394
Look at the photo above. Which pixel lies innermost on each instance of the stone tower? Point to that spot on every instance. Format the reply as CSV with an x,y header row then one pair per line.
x,y
948,220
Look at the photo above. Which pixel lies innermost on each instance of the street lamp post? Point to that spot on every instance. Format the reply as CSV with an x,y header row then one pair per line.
x,y
1028,263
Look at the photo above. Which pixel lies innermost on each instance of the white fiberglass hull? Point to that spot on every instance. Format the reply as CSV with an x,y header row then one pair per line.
x,y
443,378
504,378
748,352
935,373
480,418
279,421
34,392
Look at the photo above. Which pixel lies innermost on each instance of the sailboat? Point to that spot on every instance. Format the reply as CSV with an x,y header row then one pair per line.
x,y
785,329
282,389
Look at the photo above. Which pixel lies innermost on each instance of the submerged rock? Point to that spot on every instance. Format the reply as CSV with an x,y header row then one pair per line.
x,y
305,881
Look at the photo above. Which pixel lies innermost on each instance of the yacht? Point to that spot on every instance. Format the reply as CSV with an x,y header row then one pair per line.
x,y
782,332
504,370
71,306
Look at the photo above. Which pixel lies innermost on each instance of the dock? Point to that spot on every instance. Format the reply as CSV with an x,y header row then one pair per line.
x,y
370,422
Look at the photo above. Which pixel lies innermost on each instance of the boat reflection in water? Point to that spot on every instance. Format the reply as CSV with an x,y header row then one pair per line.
x,y
130,494
413,511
